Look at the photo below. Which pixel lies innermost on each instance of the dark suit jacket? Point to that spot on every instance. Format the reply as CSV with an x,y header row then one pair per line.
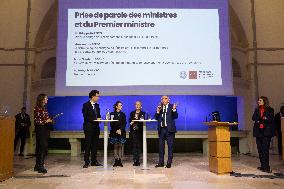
x,y
120,124
19,129
171,116
268,130
89,116
277,123
139,124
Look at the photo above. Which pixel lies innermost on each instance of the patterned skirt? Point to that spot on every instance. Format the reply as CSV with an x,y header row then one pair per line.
x,y
117,140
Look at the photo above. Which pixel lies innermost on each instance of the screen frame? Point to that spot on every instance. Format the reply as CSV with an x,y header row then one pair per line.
x,y
225,51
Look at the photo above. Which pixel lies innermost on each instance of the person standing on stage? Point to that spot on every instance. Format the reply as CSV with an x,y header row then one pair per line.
x,y
118,133
278,131
136,132
22,129
42,121
166,115
263,131
91,112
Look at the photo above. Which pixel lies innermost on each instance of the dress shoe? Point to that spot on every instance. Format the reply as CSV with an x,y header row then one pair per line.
x,y
119,163
169,165
136,163
115,163
159,165
86,165
42,170
267,170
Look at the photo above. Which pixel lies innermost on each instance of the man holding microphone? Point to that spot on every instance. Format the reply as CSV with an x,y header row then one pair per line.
x,y
166,115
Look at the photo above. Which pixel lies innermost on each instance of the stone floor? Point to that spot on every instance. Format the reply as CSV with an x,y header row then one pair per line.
x,y
188,171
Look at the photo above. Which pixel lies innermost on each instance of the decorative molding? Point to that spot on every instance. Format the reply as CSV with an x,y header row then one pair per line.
x,y
267,49
23,65
246,50
267,64
32,49
241,49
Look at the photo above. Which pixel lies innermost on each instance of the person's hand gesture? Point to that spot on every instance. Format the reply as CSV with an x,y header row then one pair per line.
x,y
159,107
118,132
49,121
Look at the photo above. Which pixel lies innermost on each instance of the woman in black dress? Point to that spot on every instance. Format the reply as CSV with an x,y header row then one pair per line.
x,y
136,132
117,132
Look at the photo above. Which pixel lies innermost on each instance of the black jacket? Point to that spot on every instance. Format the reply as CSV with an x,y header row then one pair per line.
x,y
171,116
277,122
19,129
120,124
90,115
268,130
139,125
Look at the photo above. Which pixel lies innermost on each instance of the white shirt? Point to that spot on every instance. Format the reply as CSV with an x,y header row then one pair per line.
x,y
164,112
93,104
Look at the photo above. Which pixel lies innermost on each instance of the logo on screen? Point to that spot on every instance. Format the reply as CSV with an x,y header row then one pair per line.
x,y
192,75
183,74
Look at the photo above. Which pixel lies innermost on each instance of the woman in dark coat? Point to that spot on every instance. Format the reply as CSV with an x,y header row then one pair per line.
x,y
117,132
136,132
263,131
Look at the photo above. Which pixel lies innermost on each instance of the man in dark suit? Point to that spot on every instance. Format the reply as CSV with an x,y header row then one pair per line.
x,y
278,132
22,131
91,112
166,115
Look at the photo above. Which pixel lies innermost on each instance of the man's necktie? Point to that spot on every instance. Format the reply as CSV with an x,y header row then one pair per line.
x,y
164,116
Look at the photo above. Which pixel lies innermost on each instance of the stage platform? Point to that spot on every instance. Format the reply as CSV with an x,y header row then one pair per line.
x,y
188,171
74,138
